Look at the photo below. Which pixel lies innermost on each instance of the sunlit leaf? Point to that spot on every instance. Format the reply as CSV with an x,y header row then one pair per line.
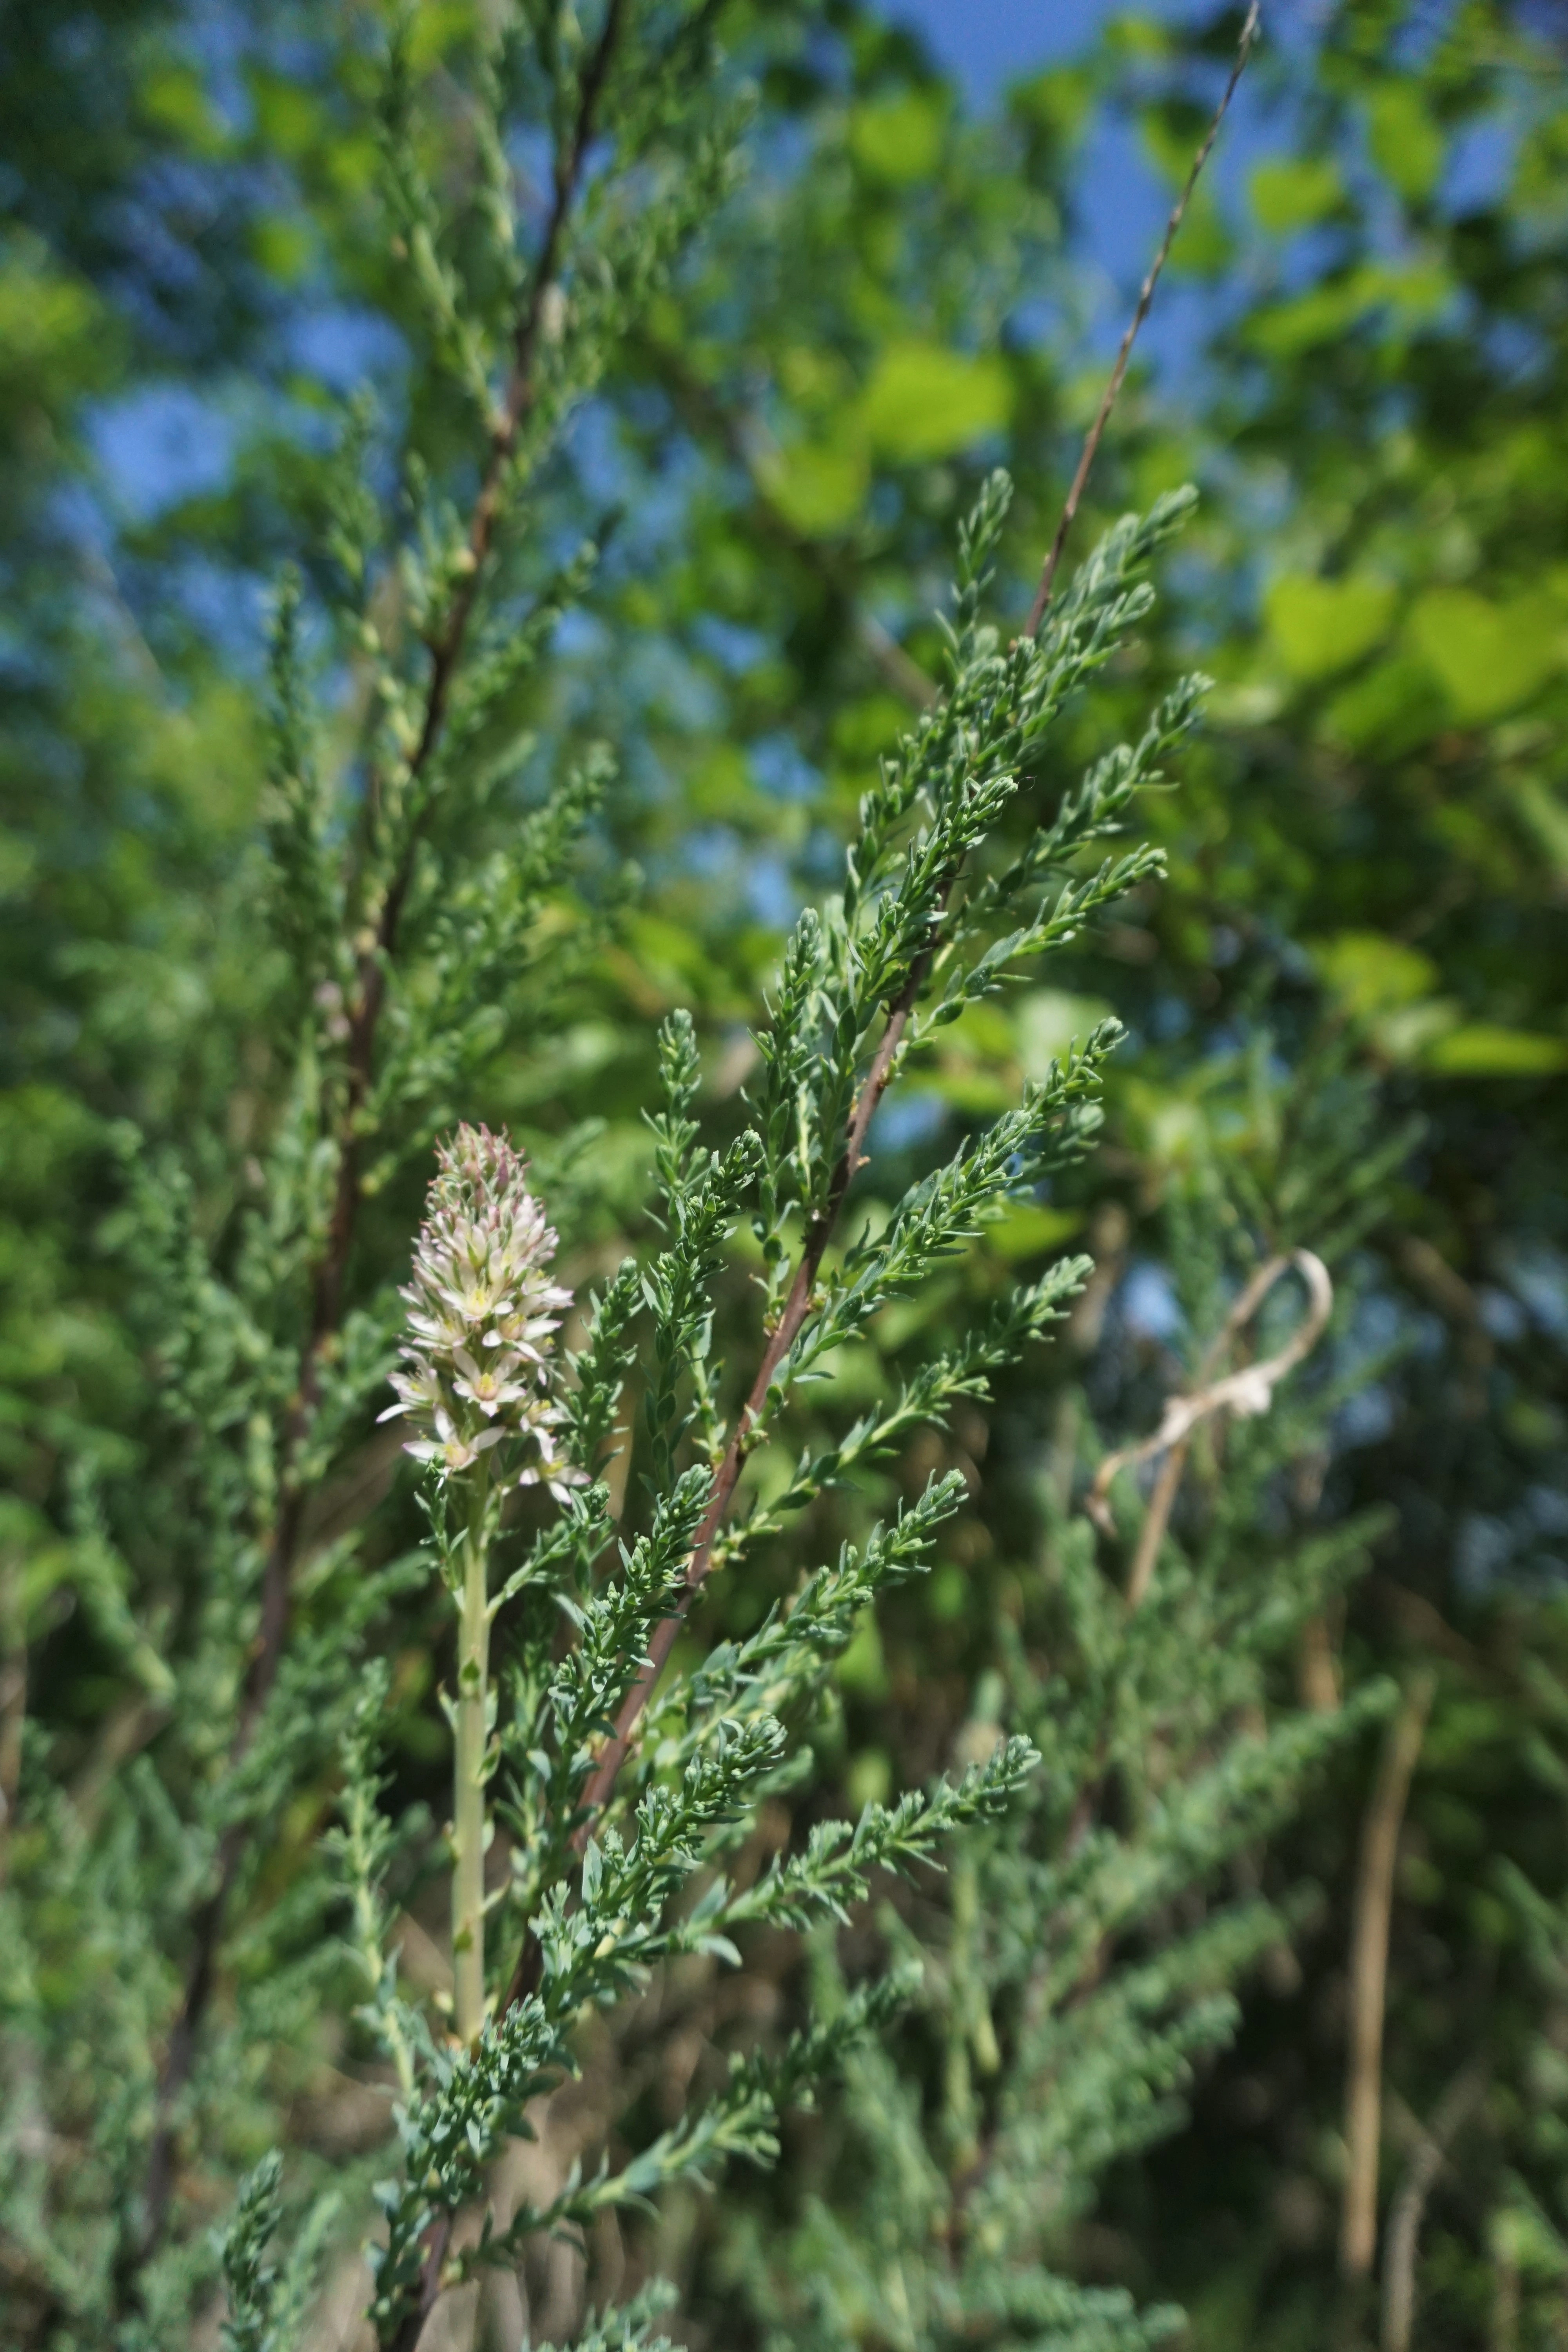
x,y
898,139
1406,142
1291,191
1318,627
925,401
1480,1049
1488,657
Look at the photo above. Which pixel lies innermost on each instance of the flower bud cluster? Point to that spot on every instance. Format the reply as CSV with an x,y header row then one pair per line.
x,y
482,1313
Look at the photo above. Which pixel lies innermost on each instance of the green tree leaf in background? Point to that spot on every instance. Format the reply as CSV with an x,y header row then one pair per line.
x,y
1489,659
1322,625
923,402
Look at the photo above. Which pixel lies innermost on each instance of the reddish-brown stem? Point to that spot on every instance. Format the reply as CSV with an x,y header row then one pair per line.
x,y
332,1270
797,1305
796,1308
1146,295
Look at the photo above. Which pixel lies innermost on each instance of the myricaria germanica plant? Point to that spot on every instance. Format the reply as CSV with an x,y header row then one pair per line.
x,y
610,1795
423,911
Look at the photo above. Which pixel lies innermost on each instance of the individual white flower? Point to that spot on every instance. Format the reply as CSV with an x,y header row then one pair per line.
x,y
482,1313
419,1392
450,1447
490,1385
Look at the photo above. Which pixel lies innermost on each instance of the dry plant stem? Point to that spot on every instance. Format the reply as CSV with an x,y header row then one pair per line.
x,y
1156,1519
1318,1674
1409,2205
1182,1414
468,1773
327,1288
1368,1977
1146,295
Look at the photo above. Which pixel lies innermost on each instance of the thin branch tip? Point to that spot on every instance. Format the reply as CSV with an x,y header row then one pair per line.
x,y
1041,604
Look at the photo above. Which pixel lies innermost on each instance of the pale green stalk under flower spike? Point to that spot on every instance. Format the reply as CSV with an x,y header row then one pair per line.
x,y
482,1315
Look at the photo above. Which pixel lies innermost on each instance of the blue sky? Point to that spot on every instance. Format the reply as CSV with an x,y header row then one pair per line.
x,y
986,43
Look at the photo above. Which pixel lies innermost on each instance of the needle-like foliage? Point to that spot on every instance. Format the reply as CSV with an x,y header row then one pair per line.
x,y
605,1792
1087,1960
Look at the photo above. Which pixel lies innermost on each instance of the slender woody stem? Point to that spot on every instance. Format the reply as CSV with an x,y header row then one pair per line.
x,y
469,1770
796,1308
1145,296
1404,2215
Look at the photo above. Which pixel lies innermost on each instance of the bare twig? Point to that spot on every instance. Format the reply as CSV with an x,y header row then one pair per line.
x,y
1369,1976
1248,1391
1156,1519
332,1270
1146,295
1404,2215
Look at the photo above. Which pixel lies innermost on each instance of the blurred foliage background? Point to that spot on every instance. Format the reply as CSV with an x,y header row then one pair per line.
x,y
1360,359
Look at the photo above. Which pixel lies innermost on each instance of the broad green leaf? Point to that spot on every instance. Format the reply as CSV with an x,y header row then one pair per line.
x,y
898,139
283,246
1543,812
1056,103
1488,657
873,724
289,115
1409,1033
1411,295
925,401
174,98
817,486
1291,191
1407,143
1388,707
850,1375
1371,974
1480,1049
55,337
981,1093
870,1780
1318,627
